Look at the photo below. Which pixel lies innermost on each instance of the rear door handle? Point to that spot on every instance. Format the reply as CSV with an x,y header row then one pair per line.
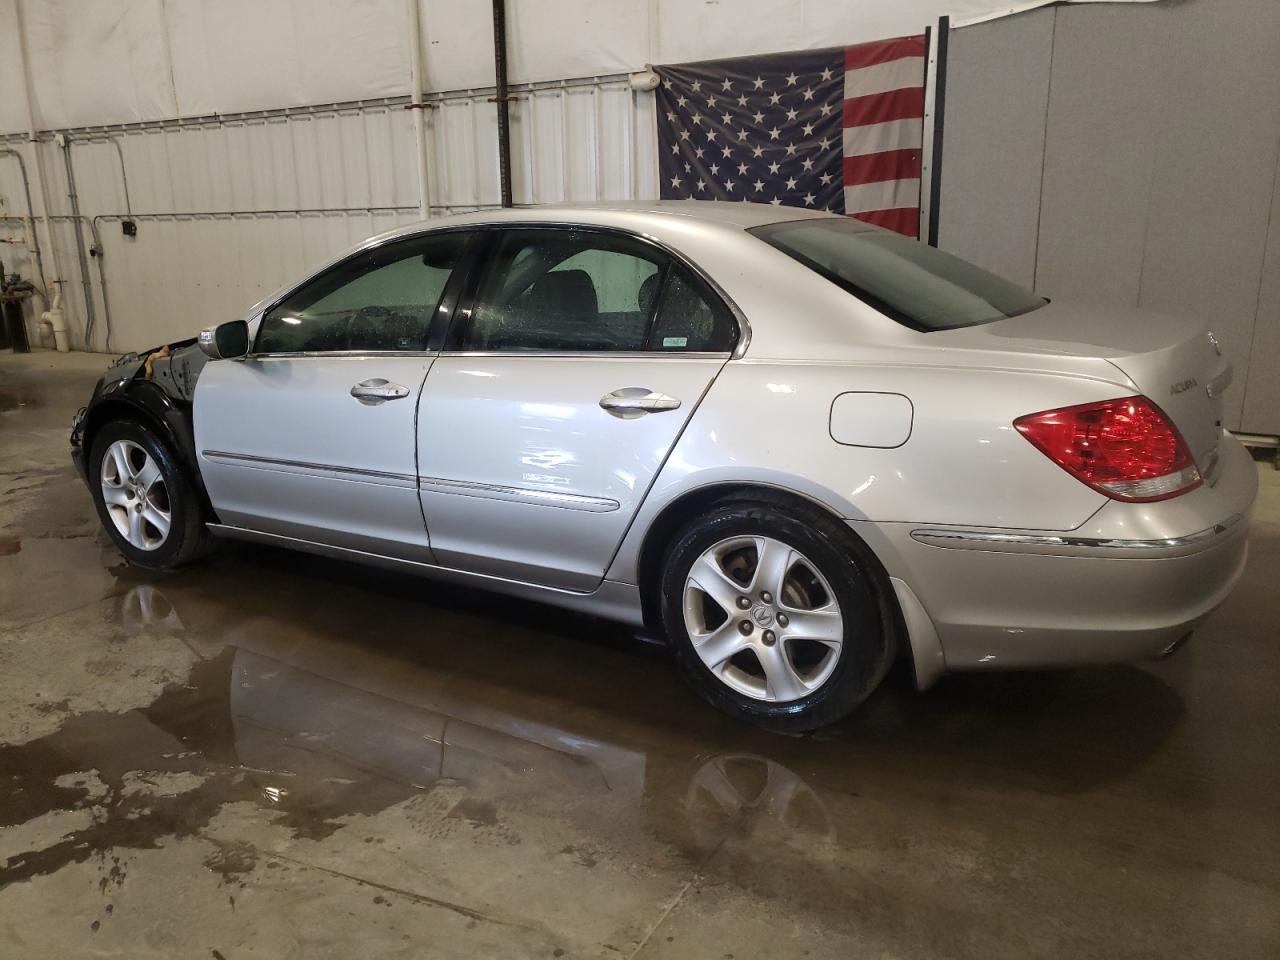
x,y
631,402
377,390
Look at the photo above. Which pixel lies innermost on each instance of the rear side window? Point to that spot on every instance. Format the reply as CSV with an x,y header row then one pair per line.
x,y
379,300
916,284
571,291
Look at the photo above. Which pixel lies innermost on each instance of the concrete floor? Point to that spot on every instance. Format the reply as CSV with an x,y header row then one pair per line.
x,y
273,755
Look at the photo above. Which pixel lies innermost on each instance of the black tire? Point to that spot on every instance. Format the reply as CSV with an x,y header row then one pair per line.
x,y
867,648
187,539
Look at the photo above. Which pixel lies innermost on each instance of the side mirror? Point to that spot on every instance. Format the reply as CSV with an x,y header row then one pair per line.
x,y
226,341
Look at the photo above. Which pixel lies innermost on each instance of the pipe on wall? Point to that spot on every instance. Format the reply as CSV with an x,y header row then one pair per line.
x,y
24,65
81,253
29,222
502,97
419,108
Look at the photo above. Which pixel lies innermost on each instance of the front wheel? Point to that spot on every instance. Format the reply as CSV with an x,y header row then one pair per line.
x,y
771,615
145,501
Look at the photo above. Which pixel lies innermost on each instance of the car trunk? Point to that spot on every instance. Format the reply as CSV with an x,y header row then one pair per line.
x,y
1172,360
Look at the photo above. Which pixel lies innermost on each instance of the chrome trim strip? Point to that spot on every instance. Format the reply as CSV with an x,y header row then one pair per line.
x,y
546,498
267,463
591,354
1040,543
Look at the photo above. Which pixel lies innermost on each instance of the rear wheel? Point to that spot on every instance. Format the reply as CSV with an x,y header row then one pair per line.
x,y
145,501
771,615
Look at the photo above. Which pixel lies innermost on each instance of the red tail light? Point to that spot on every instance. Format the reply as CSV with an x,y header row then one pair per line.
x,y
1127,449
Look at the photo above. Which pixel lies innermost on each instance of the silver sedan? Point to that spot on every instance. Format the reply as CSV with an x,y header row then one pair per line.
x,y
796,446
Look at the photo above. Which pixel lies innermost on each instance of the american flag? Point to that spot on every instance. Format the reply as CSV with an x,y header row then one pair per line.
x,y
839,129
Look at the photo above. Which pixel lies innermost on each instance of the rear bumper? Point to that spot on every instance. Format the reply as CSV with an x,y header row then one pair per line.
x,y
1128,585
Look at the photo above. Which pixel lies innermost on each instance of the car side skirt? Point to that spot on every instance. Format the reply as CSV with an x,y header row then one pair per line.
x,y
611,600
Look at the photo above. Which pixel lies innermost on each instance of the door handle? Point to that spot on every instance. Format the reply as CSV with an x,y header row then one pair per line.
x,y
631,402
377,390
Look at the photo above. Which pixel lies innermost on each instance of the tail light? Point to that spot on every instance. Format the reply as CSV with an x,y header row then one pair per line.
x,y
1127,449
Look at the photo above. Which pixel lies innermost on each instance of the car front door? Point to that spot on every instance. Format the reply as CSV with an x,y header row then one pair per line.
x,y
568,376
312,435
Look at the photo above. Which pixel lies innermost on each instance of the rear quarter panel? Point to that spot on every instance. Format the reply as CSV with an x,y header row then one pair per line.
x,y
767,422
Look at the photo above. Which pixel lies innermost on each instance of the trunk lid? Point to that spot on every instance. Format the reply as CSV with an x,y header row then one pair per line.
x,y
1172,360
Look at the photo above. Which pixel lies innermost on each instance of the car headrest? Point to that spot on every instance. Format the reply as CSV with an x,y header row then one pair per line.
x,y
568,294
647,295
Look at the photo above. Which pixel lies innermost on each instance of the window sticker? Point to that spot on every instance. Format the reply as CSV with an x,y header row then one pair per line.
x,y
675,341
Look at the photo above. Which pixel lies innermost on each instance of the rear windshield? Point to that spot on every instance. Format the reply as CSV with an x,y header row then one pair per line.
x,y
916,284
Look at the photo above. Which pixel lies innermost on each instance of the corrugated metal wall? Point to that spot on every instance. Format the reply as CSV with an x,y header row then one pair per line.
x,y
229,209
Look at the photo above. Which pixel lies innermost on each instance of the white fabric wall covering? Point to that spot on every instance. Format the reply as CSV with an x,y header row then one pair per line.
x,y
121,61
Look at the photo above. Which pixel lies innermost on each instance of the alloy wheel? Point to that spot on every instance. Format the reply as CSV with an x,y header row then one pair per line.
x,y
136,495
762,618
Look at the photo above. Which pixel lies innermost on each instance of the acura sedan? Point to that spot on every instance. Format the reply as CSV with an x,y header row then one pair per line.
x,y
795,446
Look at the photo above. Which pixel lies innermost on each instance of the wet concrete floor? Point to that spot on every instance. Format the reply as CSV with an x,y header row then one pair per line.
x,y
274,755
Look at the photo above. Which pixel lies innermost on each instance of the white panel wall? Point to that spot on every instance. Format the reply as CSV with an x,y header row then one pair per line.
x,y
1129,155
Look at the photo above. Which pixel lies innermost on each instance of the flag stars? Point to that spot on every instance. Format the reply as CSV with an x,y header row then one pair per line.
x,y
742,134
711,136
774,167
729,185
807,93
808,199
791,80
695,86
791,183
776,202
726,84
715,169
824,143
808,129
742,100
675,148
684,134
711,103
774,99
702,186
742,169
725,118
792,114
671,117
826,74
681,100
696,119
675,182
825,178
826,109
791,149
757,151
757,83
726,152
698,153
808,164
774,133
759,185
758,117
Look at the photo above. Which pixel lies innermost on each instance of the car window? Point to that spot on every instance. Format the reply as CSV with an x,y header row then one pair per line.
x,y
564,290
691,318
381,299
571,291
918,285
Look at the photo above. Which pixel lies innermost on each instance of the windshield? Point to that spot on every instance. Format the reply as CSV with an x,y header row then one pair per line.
x,y
916,284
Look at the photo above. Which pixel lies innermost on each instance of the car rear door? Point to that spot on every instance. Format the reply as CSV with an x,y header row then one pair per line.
x,y
312,435
568,376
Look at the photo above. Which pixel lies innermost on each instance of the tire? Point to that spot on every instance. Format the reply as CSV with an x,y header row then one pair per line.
x,y
185,539
809,684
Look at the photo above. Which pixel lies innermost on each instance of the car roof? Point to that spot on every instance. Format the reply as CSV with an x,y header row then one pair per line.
x,y
728,213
